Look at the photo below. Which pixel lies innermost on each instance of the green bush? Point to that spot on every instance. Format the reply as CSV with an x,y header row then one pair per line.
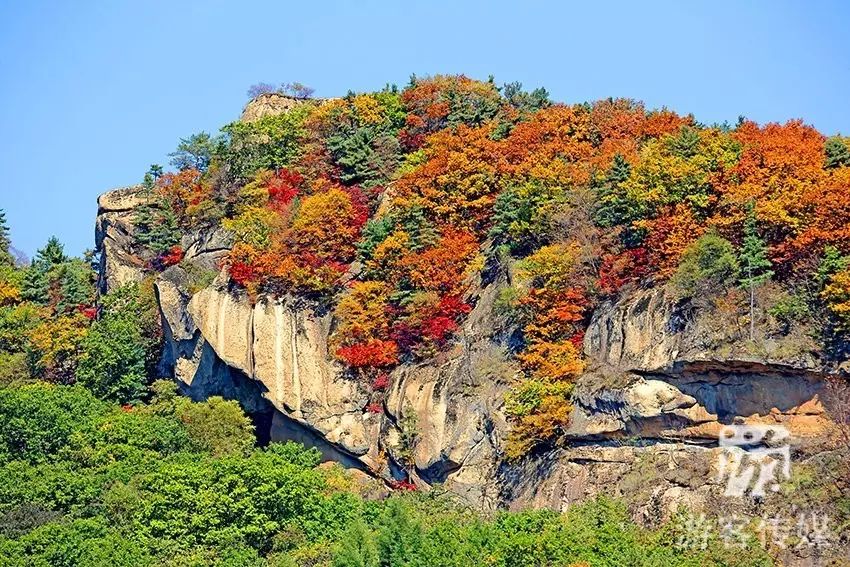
x,y
118,348
270,142
37,420
522,216
198,276
789,309
79,543
708,267
123,429
217,426
422,531
13,367
176,483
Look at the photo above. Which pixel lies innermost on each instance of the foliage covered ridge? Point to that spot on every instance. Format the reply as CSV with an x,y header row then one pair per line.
x,y
392,209
388,205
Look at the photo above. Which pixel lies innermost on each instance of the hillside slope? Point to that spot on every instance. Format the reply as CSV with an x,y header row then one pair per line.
x,y
528,303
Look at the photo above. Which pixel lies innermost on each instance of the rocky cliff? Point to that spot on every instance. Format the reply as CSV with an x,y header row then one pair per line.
x,y
664,377
662,380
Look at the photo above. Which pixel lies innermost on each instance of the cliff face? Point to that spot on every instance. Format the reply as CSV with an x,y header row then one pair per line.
x,y
662,380
119,263
268,104
219,343
663,369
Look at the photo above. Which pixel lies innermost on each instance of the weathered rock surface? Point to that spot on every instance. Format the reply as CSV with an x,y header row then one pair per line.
x,y
114,236
652,331
268,104
656,473
123,260
283,346
659,370
205,249
457,401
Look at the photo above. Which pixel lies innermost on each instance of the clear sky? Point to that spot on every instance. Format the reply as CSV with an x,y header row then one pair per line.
x,y
93,92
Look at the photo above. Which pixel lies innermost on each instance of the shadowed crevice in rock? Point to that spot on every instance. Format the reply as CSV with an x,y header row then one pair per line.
x,y
284,428
215,378
732,392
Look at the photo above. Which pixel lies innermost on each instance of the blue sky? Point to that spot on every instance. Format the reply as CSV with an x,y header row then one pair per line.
x,y
93,92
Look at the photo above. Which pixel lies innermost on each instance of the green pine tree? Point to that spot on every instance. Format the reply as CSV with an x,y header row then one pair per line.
x,y
156,227
114,352
507,213
832,262
615,208
522,219
421,231
357,548
686,143
35,286
194,152
375,232
365,156
755,265
155,221
525,101
76,285
837,153
51,255
400,539
6,257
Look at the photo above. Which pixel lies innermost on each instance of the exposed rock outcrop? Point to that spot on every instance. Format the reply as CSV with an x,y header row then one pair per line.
x,y
282,345
119,264
660,477
660,369
653,331
269,104
122,260
457,401
662,379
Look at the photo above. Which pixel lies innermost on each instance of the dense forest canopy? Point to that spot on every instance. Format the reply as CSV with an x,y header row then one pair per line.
x,y
389,209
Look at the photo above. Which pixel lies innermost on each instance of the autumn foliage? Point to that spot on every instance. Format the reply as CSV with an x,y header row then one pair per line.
x,y
390,208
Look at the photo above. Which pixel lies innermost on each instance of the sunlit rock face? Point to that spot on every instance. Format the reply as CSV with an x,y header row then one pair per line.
x,y
661,370
120,263
268,104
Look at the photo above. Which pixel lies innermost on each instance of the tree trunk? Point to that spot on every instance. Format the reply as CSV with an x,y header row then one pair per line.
x,y
752,304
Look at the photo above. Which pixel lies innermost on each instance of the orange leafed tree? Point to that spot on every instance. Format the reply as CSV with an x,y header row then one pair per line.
x,y
458,182
444,100
668,236
554,145
824,215
779,164
442,268
186,191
